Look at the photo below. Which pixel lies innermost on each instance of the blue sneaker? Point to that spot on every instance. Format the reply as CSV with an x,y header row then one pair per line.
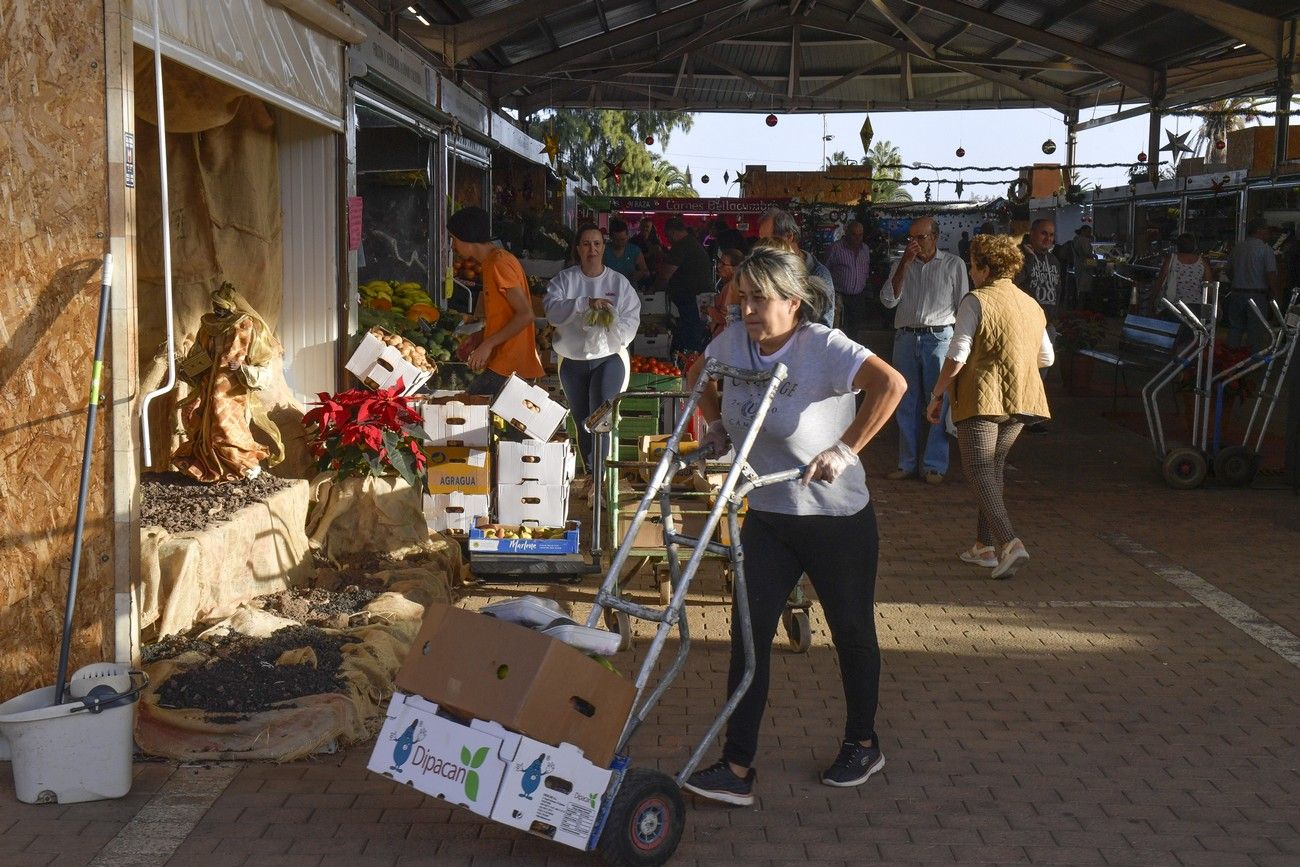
x,y
719,783
853,765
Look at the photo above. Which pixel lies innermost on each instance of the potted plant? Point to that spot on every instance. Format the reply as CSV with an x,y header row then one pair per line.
x,y
368,496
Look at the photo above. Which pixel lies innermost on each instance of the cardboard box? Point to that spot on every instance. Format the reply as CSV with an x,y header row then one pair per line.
x,y
566,545
455,468
688,519
533,503
529,409
652,448
459,421
489,669
455,512
652,345
654,303
533,461
441,757
553,792
379,365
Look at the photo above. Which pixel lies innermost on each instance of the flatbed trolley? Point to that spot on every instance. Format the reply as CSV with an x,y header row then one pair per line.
x,y
608,424
643,814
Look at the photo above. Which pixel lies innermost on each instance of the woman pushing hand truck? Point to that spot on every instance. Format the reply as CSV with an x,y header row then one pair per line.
x,y
824,527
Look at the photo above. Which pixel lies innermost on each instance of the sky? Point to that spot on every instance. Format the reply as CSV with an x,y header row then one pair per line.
x,y
719,143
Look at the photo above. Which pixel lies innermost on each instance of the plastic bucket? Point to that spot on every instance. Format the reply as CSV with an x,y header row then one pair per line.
x,y
77,751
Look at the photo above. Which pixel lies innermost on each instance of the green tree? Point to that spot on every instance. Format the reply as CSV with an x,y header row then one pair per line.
x,y
588,138
840,158
886,183
1230,115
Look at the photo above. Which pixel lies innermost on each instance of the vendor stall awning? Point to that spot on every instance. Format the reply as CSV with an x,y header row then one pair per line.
x,y
256,47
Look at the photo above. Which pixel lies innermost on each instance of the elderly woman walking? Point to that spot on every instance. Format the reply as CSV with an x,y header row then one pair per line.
x,y
999,342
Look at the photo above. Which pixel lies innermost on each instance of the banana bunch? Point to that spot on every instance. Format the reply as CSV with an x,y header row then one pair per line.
x,y
502,531
394,296
599,317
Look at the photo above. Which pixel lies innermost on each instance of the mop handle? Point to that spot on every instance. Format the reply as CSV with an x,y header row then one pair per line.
x,y
105,286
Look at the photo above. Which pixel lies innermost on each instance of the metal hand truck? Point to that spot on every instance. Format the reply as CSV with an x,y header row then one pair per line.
x,y
1238,464
643,814
1186,466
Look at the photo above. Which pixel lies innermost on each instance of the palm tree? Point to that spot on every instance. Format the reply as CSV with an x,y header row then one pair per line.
x,y
1228,115
886,183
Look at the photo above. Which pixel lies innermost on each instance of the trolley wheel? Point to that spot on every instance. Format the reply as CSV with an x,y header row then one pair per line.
x,y
618,621
1236,465
797,629
646,821
1184,468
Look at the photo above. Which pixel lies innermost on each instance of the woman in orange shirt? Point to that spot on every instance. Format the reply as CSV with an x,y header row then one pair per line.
x,y
509,343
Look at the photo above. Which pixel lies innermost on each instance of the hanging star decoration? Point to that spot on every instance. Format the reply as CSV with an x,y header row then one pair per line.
x,y
1217,186
614,171
958,188
551,147
1177,145
742,178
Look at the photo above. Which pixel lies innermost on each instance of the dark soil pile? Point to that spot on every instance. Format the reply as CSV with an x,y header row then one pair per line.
x,y
316,606
242,676
179,504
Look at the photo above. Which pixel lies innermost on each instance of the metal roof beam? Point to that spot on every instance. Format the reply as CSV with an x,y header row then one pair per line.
x,y
908,33
1134,75
1044,93
1261,32
709,57
905,77
1125,26
512,77
847,77
796,60
600,13
462,41
681,73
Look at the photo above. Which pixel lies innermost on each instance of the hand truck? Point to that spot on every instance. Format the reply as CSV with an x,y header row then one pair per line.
x,y
1238,464
643,813
1185,467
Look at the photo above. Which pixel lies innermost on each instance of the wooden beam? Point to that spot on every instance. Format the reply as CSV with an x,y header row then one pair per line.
x,y
1261,32
905,77
908,33
1134,75
796,60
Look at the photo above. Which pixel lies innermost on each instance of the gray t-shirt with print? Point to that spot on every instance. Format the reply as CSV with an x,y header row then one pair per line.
x,y
809,413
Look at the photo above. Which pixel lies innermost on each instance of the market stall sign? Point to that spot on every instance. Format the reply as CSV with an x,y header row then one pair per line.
x,y
681,206
395,63
472,114
518,142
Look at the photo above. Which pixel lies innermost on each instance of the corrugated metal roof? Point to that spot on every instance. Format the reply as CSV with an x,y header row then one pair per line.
x,y
1005,56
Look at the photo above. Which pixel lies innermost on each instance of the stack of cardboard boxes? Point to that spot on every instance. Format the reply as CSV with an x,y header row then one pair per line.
x,y
532,476
507,722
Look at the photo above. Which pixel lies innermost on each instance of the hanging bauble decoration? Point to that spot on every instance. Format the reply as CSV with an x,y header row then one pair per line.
x,y
961,152
1142,156
1220,145
649,140
916,182
704,179
1049,147
771,120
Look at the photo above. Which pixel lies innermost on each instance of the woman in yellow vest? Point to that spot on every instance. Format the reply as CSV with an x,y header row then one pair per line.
x,y
998,345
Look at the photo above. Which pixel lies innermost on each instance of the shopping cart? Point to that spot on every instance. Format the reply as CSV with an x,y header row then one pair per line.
x,y
643,813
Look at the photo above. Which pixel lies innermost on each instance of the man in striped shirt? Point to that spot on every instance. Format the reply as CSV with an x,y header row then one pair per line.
x,y
925,286
849,262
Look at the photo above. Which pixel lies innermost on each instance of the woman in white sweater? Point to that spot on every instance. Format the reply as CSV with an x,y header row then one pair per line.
x,y
596,313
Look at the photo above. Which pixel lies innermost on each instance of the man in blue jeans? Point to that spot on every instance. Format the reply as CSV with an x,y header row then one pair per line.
x,y
1252,267
925,286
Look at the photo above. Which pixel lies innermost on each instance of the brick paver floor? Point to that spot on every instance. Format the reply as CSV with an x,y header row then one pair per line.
x,y
1108,705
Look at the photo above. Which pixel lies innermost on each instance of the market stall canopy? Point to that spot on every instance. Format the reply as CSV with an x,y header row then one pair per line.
x,y
851,55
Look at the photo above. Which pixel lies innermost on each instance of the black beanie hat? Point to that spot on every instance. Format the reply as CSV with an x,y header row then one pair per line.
x,y
471,225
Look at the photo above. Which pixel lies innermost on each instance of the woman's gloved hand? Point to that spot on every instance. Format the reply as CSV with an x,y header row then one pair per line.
x,y
715,443
828,465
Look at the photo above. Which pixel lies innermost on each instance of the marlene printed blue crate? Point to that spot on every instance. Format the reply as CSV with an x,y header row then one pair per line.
x,y
566,545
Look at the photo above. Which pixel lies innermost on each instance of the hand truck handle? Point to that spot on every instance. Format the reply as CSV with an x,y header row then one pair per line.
x,y
1184,315
714,369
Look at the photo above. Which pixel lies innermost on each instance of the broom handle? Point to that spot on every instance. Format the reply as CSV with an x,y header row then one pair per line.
x,y
105,285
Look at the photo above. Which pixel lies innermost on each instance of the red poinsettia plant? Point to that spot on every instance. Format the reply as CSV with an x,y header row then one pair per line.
x,y
367,433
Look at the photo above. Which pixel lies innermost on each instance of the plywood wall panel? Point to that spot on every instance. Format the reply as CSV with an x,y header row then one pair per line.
x,y
53,217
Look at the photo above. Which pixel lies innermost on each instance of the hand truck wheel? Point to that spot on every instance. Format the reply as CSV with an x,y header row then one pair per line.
x,y
1184,468
1236,465
645,822
797,629
618,621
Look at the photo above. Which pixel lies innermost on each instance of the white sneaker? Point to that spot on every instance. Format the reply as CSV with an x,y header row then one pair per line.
x,y
1014,556
979,555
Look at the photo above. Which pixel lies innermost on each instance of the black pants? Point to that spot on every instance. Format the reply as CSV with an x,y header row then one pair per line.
x,y
488,383
689,333
839,554
587,385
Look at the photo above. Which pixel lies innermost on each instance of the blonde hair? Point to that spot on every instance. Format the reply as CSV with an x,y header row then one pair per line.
x,y
772,271
999,253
